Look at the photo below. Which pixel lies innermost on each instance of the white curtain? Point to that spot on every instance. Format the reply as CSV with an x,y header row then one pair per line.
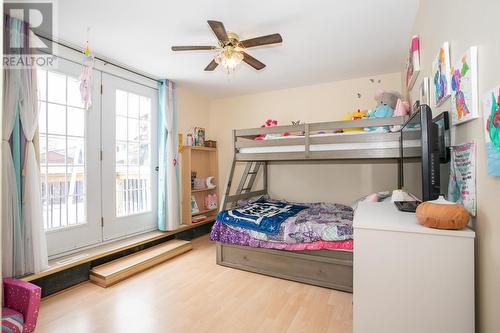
x,y
11,225
168,178
35,243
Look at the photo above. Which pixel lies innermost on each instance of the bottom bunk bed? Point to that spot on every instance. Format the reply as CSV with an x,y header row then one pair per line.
x,y
311,243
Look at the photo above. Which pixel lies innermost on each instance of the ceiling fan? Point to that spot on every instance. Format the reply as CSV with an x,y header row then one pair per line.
x,y
231,51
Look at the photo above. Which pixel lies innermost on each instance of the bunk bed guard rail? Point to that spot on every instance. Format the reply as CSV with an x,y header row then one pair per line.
x,y
304,142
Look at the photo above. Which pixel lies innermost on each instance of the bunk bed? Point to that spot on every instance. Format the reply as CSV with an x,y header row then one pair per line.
x,y
312,143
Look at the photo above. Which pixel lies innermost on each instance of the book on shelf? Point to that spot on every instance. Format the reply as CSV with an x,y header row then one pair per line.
x,y
199,218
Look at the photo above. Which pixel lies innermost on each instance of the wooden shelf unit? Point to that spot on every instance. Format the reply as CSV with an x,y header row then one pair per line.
x,y
202,160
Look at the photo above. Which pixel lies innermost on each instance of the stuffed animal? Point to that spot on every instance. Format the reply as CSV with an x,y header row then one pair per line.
x,y
356,115
386,103
270,123
402,109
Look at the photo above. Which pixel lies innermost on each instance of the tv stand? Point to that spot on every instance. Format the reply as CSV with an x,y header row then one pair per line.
x,y
410,278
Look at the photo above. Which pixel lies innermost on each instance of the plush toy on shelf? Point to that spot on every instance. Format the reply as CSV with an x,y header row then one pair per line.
x,y
402,109
386,103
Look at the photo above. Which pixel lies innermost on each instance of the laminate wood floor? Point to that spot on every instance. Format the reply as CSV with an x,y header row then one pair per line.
x,y
190,293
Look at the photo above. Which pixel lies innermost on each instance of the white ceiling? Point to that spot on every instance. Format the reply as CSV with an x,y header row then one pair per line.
x,y
323,40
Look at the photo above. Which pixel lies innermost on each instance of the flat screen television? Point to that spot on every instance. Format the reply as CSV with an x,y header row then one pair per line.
x,y
423,147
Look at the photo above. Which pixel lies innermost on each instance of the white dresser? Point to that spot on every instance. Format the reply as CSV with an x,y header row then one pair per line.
x,y
410,278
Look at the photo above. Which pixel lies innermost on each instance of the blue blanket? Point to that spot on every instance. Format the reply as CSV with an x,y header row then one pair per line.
x,y
262,216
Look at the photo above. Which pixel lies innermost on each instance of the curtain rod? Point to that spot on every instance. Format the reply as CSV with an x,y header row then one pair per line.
x,y
98,58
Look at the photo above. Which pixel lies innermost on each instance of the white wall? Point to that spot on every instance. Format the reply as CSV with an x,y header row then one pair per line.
x,y
315,103
464,24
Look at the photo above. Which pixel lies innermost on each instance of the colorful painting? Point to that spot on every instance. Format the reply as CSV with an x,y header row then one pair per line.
x,y
462,184
491,117
441,75
464,99
413,62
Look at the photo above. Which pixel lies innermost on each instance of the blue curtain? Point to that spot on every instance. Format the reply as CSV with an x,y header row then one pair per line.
x,y
168,158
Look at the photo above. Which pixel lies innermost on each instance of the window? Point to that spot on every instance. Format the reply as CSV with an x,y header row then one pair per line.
x,y
132,153
62,150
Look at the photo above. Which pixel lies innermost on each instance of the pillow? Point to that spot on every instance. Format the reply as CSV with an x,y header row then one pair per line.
x,y
374,197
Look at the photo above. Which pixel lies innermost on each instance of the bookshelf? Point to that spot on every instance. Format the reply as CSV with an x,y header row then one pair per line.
x,y
203,161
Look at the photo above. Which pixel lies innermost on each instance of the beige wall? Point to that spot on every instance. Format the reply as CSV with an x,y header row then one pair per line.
x,y
464,24
192,110
315,103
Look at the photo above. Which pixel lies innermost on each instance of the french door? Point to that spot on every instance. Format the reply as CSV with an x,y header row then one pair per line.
x,y
129,145
69,150
97,166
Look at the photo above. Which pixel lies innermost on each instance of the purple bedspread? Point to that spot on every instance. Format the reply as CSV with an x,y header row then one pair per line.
x,y
319,222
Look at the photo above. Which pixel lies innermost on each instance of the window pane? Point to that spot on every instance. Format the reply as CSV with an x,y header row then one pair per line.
x,y
74,96
121,153
145,107
42,84
42,117
121,103
56,150
76,151
56,88
133,129
144,154
62,157
56,119
133,105
42,141
76,121
144,131
121,128
133,153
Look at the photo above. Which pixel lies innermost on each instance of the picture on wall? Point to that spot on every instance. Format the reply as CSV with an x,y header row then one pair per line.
x,y
413,62
491,123
464,96
441,75
424,92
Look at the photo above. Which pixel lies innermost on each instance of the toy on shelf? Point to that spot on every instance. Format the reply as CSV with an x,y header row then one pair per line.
x,y
270,123
386,103
211,201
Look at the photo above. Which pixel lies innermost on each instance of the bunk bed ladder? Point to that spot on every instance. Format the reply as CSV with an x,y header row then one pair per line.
x,y
248,177
246,182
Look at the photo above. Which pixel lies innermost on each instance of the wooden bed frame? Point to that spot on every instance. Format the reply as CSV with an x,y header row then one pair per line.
x,y
325,268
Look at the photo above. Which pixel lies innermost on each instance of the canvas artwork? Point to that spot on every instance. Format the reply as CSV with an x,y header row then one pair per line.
x,y
462,184
441,75
413,62
464,96
491,123
424,92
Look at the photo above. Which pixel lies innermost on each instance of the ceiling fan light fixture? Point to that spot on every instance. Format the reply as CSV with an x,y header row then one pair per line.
x,y
229,59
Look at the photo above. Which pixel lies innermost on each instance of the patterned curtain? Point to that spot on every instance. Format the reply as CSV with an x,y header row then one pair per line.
x,y
168,157
24,247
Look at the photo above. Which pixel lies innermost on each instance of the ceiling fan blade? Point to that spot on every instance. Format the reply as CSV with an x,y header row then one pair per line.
x,y
193,48
263,40
211,66
252,61
219,30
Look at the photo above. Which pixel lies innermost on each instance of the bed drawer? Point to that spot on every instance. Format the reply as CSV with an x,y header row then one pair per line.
x,y
327,268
